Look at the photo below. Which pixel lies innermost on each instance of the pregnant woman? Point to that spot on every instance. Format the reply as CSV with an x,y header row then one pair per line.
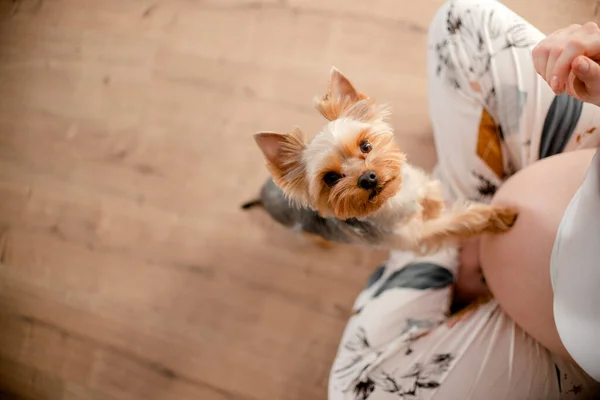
x,y
516,121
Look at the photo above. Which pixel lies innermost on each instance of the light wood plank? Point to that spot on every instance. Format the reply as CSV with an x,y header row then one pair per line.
x,y
127,269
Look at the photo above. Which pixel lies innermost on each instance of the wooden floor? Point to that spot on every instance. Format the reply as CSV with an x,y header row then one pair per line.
x,y
127,269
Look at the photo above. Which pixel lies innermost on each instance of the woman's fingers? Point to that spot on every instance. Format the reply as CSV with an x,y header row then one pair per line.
x,y
559,71
579,41
540,59
553,57
584,80
549,76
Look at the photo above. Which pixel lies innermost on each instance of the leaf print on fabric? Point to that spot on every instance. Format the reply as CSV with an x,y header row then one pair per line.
x,y
454,22
375,276
414,329
359,342
576,389
519,35
353,366
419,380
421,275
476,35
416,275
446,65
360,374
425,376
363,390
485,186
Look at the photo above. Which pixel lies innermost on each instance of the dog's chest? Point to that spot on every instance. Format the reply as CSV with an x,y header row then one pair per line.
x,y
406,203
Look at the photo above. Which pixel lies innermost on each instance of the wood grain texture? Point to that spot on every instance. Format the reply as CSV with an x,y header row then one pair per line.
x,y
127,269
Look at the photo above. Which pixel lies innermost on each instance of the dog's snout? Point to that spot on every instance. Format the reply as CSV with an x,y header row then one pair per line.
x,y
368,180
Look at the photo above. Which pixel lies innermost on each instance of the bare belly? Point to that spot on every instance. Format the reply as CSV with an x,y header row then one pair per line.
x,y
517,264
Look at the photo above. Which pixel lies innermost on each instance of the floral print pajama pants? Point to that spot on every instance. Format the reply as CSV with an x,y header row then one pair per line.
x,y
492,115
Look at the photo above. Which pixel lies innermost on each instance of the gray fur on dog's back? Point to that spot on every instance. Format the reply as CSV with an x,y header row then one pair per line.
x,y
304,219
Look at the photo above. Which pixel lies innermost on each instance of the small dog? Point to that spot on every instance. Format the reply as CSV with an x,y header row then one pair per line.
x,y
356,179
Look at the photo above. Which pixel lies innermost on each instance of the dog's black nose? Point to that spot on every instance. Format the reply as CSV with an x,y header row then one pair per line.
x,y
368,180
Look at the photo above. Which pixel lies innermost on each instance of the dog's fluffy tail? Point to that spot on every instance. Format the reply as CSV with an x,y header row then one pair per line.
x,y
252,204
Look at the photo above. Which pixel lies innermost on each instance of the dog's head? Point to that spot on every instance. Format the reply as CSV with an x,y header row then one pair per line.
x,y
350,168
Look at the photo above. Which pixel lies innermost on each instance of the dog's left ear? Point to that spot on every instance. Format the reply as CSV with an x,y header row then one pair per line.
x,y
284,157
342,98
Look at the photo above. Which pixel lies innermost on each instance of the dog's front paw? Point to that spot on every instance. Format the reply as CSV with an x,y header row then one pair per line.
x,y
502,219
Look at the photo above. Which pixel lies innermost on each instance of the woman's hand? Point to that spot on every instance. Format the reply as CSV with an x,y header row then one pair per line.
x,y
568,61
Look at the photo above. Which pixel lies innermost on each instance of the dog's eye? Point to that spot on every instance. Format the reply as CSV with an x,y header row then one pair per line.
x,y
365,146
331,178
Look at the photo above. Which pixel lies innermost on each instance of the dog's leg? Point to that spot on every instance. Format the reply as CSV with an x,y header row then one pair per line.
x,y
450,228
405,236
458,225
432,204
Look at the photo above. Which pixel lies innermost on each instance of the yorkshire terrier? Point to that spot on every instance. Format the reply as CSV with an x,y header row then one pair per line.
x,y
352,184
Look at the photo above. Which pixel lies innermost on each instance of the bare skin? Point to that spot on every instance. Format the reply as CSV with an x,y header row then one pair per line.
x,y
568,60
470,284
517,264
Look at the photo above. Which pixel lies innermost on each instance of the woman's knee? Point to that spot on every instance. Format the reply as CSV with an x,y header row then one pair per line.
x,y
456,28
452,15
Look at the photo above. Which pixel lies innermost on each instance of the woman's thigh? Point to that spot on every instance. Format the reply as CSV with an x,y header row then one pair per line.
x,y
517,264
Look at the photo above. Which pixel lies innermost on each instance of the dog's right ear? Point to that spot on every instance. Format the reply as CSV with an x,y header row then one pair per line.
x,y
342,98
284,157
341,89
